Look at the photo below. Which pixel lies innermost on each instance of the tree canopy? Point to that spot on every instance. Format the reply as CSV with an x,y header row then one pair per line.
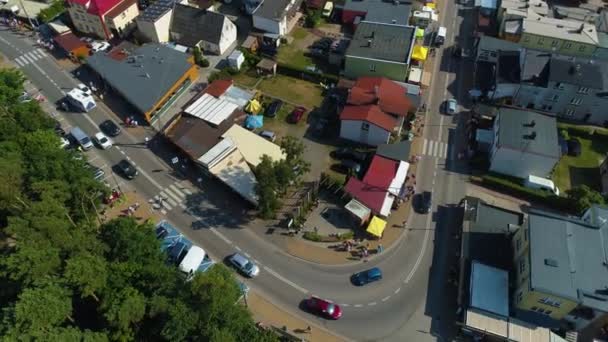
x,y
64,277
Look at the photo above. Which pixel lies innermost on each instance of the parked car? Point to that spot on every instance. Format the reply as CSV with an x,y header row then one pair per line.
x,y
323,308
127,169
244,265
349,153
100,46
268,135
574,147
102,141
85,90
349,166
451,106
367,276
296,115
273,108
423,202
109,128
322,44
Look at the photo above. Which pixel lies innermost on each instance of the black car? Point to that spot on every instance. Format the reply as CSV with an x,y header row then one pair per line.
x,y
349,166
423,202
273,108
349,153
127,169
110,128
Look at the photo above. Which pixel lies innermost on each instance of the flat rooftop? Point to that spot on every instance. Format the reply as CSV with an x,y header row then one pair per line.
x,y
381,41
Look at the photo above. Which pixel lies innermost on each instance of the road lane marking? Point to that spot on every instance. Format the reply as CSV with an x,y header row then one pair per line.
x,y
238,248
424,142
172,195
187,191
287,281
345,305
177,191
372,304
247,255
218,234
423,249
358,305
386,298
168,199
397,290
183,206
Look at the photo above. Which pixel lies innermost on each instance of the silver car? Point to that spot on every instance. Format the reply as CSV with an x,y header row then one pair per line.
x,y
244,265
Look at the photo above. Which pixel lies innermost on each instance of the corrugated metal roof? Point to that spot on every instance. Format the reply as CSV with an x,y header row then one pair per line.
x,y
211,109
217,153
252,146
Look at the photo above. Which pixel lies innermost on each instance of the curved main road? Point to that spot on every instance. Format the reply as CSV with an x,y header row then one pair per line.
x,y
414,271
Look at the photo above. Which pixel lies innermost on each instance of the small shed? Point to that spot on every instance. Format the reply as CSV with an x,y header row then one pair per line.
x,y
59,27
415,76
266,67
72,45
251,43
359,213
236,59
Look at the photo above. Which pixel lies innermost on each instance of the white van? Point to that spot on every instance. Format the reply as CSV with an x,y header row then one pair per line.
x,y
534,182
440,36
327,9
81,138
81,100
193,259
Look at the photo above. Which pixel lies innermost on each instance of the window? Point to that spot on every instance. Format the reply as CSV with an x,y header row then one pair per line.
x,y
554,43
570,112
568,45
581,48
576,101
522,265
583,90
123,15
559,86
364,126
555,97
372,67
526,234
526,39
541,41
518,244
520,296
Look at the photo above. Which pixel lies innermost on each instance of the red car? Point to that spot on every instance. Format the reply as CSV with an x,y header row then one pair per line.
x,y
297,114
324,307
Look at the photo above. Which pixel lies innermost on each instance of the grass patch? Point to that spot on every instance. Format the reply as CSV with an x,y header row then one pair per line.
x,y
572,171
293,54
246,79
299,33
293,90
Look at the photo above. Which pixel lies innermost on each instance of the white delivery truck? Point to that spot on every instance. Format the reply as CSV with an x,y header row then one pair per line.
x,y
440,36
535,182
80,100
192,260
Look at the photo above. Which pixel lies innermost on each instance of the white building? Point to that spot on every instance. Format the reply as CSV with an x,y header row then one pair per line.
x,y
275,16
366,124
155,21
103,18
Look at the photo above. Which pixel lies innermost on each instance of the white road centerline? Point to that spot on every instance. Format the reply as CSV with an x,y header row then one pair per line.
x,y
386,298
358,305
177,191
285,280
372,304
397,290
424,142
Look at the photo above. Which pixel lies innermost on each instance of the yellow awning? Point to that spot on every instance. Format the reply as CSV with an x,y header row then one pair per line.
x,y
253,107
376,226
431,5
420,53
419,33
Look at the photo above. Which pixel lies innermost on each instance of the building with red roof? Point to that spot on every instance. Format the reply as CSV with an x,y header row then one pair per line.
x,y
380,186
104,19
389,95
366,124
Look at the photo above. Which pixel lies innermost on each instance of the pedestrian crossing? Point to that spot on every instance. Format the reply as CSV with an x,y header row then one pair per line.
x,y
30,57
171,197
436,149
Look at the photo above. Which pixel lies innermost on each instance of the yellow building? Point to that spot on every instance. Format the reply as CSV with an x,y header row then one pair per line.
x,y
149,77
560,265
104,19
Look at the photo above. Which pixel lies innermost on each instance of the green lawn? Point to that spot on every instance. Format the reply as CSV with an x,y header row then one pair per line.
x,y
293,90
572,171
247,78
293,54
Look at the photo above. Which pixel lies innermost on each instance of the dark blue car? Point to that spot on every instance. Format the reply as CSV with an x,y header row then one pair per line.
x,y
367,276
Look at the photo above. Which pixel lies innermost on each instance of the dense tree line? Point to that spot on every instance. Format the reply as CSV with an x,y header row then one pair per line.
x,y
66,277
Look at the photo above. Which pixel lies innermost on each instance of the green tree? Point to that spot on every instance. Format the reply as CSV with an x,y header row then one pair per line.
x,y
87,273
123,309
584,197
266,188
198,55
293,149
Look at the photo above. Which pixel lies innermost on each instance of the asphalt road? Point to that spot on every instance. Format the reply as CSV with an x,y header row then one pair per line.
x,y
405,305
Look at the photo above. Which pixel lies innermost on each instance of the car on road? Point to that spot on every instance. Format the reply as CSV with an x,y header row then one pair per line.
x,y
127,169
268,135
84,89
451,106
244,265
423,202
110,128
296,115
102,141
367,276
349,153
273,108
323,308
349,166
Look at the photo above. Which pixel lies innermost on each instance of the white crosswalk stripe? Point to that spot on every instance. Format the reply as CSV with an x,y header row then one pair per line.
x,y
177,191
436,149
30,57
173,196
168,198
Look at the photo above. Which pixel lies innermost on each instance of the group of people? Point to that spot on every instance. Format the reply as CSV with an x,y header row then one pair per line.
x,y
130,122
132,209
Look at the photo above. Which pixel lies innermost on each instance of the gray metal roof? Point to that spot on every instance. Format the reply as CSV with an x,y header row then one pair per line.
x,y
272,9
156,10
528,131
190,25
382,41
398,151
536,67
382,11
582,72
145,76
489,289
568,258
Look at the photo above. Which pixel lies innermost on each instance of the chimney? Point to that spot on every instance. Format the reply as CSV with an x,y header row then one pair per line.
x,y
369,43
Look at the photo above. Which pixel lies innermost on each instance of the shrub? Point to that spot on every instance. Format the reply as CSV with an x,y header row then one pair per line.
x,y
312,236
50,13
346,236
204,63
313,18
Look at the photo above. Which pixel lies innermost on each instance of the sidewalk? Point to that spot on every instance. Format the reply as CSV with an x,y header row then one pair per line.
x,y
270,315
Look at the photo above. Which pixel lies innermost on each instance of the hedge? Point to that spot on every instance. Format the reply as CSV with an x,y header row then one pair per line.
x,y
50,13
513,186
291,71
